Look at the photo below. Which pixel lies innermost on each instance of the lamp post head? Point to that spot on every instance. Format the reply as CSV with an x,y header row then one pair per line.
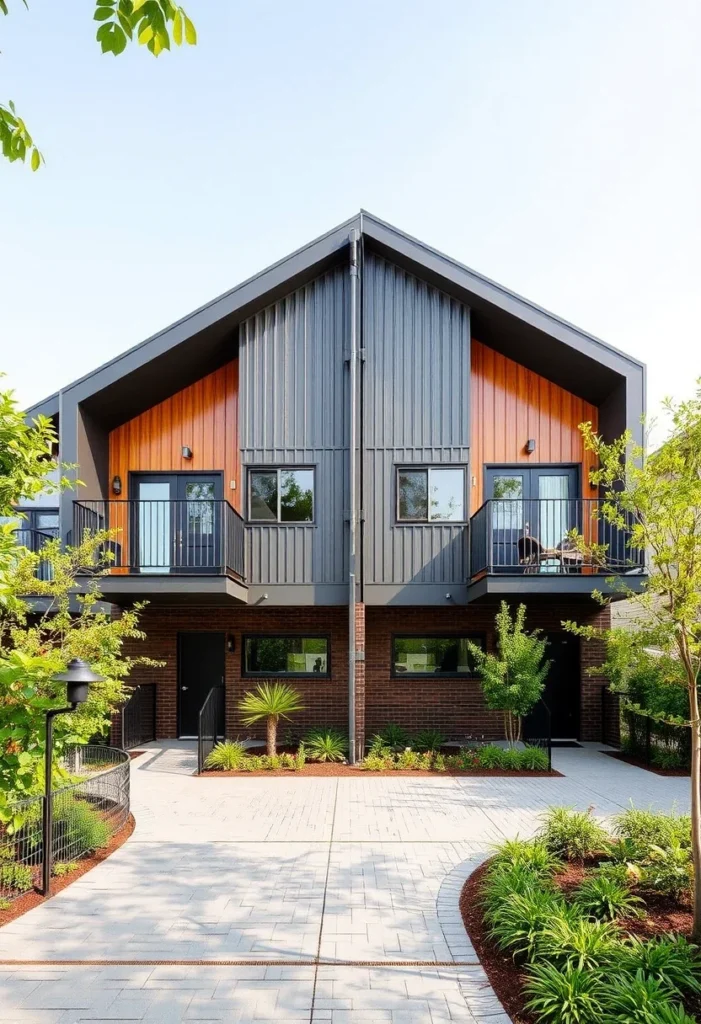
x,y
77,677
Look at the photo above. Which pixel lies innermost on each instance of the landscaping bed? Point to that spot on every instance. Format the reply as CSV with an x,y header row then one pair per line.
x,y
32,899
578,926
638,762
358,771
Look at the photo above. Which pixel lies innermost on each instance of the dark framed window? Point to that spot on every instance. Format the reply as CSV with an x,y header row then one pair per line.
x,y
286,656
431,494
281,495
434,655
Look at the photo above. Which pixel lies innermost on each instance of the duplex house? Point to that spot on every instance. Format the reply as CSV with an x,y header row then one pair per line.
x,y
333,473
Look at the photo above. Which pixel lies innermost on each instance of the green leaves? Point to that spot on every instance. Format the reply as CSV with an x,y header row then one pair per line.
x,y
152,21
15,141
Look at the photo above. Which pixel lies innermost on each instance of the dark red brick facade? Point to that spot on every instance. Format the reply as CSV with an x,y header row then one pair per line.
x,y
455,706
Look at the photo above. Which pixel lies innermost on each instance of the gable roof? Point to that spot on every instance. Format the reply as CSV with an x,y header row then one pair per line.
x,y
199,342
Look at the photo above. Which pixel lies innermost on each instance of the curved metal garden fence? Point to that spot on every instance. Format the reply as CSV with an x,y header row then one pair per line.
x,y
88,809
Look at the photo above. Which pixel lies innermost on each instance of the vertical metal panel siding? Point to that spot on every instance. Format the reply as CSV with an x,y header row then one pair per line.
x,y
417,380
294,412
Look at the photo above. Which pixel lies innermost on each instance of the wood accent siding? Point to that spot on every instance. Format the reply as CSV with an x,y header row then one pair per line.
x,y
203,416
511,404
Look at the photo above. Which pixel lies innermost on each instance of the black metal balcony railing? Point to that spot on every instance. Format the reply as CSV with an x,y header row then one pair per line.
x,y
512,535
162,537
35,540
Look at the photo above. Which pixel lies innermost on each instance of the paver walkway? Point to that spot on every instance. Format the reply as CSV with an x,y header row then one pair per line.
x,y
336,899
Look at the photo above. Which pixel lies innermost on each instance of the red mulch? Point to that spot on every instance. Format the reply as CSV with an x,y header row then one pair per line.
x,y
507,978
33,899
683,773
312,770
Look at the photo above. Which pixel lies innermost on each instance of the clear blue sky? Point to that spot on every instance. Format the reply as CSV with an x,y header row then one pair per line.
x,y
551,145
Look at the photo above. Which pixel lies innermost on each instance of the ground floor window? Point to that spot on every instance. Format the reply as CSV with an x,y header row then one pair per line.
x,y
286,655
434,655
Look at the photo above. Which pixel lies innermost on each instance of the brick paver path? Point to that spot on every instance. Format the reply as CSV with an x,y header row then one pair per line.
x,y
330,900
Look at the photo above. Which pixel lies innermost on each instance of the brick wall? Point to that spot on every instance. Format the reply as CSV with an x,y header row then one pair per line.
x,y
455,706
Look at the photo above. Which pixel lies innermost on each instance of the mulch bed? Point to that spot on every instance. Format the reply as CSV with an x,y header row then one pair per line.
x,y
33,899
682,773
507,978
335,770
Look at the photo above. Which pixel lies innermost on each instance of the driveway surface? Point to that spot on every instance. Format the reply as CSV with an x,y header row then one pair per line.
x,y
290,899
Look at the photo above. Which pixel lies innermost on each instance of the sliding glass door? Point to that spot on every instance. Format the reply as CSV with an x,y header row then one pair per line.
x,y
176,522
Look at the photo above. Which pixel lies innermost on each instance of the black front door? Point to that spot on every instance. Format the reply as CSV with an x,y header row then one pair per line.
x,y
532,510
200,668
176,522
562,688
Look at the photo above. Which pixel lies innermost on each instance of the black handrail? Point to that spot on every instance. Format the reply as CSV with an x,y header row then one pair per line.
x,y
163,536
514,535
138,717
210,725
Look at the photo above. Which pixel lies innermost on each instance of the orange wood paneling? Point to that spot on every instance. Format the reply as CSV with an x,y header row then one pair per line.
x,y
203,416
511,404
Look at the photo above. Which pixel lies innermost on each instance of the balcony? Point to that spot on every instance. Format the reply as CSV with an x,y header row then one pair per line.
x,y
173,549
526,546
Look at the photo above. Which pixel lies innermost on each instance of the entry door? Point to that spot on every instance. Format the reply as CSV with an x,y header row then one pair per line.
x,y
200,668
539,503
176,522
562,689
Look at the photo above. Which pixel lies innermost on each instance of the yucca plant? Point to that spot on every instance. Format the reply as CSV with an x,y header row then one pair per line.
x,y
226,756
271,701
326,745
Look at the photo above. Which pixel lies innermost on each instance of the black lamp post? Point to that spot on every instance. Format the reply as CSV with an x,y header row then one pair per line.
x,y
77,678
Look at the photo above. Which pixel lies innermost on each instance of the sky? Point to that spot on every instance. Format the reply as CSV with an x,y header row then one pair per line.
x,y
551,145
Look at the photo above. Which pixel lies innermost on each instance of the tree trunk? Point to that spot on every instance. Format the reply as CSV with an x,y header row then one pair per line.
x,y
272,735
695,807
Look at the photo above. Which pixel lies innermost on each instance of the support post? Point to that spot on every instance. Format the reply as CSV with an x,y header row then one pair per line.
x,y
352,483
47,822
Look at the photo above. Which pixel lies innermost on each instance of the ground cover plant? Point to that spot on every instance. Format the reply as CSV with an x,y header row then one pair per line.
x,y
582,914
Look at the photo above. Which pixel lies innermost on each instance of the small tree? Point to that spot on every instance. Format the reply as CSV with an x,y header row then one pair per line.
x,y
271,701
513,679
656,502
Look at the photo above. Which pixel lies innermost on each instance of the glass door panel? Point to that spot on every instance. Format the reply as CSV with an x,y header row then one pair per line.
x,y
507,488
154,525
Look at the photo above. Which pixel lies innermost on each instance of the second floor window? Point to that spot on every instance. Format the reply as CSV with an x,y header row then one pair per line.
x,y
431,494
281,495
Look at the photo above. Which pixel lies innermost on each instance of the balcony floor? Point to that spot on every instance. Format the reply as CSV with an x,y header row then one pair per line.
x,y
551,585
123,589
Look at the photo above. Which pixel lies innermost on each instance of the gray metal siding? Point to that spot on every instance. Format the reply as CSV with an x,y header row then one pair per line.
x,y
293,412
416,411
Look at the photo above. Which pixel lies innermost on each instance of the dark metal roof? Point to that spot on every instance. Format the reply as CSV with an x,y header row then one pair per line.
x,y
207,337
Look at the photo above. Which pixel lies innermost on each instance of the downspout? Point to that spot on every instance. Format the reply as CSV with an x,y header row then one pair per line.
x,y
352,484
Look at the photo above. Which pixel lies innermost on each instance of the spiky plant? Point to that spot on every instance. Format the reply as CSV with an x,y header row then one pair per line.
x,y
271,701
326,745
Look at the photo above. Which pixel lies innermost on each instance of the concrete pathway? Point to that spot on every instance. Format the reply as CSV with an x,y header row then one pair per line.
x,y
330,900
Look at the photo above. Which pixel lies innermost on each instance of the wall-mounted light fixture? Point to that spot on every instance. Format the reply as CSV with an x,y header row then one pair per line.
x,y
187,452
530,445
231,643
116,485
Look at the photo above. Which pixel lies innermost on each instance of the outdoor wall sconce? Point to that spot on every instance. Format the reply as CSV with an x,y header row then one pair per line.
x,y
187,452
231,644
530,445
116,485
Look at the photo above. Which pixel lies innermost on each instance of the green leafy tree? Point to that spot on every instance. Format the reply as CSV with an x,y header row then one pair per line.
x,y
150,23
655,501
32,650
270,701
513,679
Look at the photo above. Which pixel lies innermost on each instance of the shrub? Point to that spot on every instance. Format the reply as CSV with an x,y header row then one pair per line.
x,y
428,739
518,919
438,763
570,996
636,999
533,759
465,760
603,897
83,829
510,760
326,745
5,904
393,736
650,828
407,759
301,756
667,758
505,880
532,854
669,958
17,877
575,835
377,762
490,756
226,756
668,870
64,868
569,938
